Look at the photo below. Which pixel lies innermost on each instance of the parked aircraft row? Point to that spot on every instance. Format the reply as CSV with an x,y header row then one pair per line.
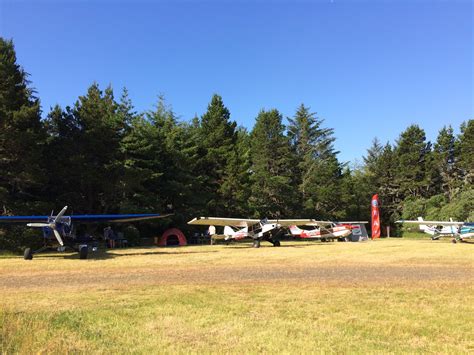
x,y
59,229
271,230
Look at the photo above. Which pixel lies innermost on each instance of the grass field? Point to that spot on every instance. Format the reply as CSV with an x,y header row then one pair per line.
x,y
385,296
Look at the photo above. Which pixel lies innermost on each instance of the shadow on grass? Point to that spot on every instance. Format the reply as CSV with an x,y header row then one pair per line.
x,y
245,246
103,254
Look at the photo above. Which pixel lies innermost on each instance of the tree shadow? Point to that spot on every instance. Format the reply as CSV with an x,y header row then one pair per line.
x,y
245,246
103,254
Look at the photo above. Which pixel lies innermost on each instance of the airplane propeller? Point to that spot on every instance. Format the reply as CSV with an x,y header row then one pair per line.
x,y
52,225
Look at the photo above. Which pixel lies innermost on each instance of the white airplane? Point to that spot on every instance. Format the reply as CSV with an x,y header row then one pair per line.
x,y
459,231
328,232
258,230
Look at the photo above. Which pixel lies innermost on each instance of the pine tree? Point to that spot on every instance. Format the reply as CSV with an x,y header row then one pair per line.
x,y
62,155
466,152
414,163
371,161
318,173
22,136
217,135
388,186
176,164
445,160
235,190
98,149
142,150
271,169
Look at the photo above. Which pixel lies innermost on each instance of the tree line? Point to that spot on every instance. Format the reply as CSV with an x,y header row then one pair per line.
x,y
99,155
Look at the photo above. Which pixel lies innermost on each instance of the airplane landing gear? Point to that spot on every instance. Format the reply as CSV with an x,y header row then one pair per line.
x,y
276,243
83,251
256,243
454,241
28,254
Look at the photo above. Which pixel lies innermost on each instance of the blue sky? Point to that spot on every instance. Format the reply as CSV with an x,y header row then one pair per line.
x,y
369,68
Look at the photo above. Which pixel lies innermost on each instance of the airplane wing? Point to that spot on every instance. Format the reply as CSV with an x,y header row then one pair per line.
x,y
243,222
92,218
115,218
23,219
219,221
352,222
435,223
299,222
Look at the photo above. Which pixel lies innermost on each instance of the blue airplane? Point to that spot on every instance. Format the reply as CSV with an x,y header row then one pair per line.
x,y
61,227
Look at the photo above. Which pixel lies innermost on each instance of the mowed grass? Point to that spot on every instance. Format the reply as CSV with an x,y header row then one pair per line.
x,y
383,296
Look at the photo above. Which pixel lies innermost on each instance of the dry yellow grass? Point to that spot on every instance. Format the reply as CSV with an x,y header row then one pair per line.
x,y
384,296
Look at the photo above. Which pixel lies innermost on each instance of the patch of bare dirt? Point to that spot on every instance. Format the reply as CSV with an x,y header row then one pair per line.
x,y
341,275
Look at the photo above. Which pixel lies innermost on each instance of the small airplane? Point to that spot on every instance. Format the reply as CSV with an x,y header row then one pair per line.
x,y
60,228
257,229
329,231
459,231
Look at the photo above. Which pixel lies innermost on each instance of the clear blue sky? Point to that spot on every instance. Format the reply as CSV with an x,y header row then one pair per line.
x,y
369,68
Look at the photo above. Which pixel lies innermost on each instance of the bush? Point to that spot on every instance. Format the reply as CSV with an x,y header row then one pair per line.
x,y
132,234
17,238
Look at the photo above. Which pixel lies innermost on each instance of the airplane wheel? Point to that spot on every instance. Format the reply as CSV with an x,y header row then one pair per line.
x,y
256,244
83,252
276,243
454,241
28,254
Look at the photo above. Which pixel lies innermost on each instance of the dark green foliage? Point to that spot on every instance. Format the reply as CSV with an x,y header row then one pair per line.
x,y
216,152
272,167
437,207
83,152
445,161
413,164
22,136
317,172
466,152
16,238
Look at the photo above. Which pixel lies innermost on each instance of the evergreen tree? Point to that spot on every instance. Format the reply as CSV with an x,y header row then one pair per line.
x,y
388,187
176,163
142,150
22,136
235,190
271,168
413,163
445,160
63,157
217,139
98,149
379,178
318,172
371,163
466,152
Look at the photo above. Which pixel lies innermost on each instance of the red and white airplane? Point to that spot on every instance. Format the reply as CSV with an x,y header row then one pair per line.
x,y
258,230
328,231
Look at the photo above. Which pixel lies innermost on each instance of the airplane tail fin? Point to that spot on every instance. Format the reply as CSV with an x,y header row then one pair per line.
x,y
294,230
423,227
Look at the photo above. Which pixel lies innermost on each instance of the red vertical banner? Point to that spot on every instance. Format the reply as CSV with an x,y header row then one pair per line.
x,y
375,217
